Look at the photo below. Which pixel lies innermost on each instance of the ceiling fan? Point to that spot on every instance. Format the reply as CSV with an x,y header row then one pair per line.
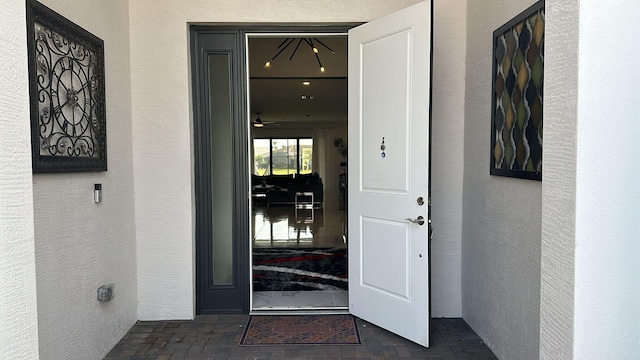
x,y
258,122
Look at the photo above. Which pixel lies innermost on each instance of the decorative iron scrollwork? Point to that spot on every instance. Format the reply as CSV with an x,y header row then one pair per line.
x,y
67,94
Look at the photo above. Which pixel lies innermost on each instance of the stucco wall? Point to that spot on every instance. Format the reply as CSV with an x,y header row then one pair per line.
x,y
447,145
589,285
501,216
607,269
559,180
19,330
81,245
163,138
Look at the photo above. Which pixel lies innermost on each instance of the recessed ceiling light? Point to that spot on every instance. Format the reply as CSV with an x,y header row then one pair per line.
x,y
306,83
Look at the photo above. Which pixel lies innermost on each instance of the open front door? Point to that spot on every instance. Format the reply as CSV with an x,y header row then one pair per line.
x,y
389,93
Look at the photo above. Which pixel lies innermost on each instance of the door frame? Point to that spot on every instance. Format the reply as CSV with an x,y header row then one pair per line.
x,y
209,298
239,293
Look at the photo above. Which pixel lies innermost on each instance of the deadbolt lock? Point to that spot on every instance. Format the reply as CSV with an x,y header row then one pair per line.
x,y
420,201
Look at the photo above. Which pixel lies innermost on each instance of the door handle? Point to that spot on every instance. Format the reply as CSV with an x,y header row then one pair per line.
x,y
419,220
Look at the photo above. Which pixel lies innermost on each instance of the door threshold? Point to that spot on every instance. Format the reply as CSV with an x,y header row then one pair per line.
x,y
300,311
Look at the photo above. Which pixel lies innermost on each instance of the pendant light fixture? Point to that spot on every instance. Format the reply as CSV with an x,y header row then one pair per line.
x,y
309,41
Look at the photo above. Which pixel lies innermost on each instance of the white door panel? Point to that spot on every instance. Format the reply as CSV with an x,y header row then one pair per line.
x,y
389,87
385,71
384,268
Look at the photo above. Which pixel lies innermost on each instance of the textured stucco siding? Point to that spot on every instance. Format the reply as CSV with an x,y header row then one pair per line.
x,y
19,330
81,245
607,269
559,180
447,146
501,216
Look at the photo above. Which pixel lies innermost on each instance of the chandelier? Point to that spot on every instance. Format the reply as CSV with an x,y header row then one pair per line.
x,y
309,41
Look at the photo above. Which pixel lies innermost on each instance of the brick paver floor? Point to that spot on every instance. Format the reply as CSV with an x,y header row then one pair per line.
x,y
218,336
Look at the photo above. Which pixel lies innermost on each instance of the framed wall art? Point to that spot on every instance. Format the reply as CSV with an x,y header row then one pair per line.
x,y
67,96
517,88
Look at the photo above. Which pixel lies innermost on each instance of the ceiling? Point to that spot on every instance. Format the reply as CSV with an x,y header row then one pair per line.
x,y
276,91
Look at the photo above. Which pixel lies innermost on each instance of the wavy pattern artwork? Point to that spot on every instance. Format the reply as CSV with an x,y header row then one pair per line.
x,y
518,83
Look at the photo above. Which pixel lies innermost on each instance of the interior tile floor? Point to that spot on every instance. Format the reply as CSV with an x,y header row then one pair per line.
x,y
218,337
288,227
269,300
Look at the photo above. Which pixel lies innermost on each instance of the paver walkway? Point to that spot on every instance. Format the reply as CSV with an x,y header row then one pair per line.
x,y
218,336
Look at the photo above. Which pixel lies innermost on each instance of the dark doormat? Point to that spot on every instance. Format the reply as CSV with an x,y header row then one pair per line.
x,y
301,330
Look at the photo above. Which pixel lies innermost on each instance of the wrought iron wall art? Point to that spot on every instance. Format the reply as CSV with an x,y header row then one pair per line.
x,y
66,84
518,82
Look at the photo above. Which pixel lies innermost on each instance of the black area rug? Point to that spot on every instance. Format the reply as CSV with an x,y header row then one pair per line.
x,y
299,269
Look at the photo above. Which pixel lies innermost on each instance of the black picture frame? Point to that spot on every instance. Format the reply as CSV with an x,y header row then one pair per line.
x,y
517,95
67,94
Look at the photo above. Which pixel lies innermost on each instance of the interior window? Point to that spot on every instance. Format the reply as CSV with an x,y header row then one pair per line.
x,y
306,156
277,156
261,156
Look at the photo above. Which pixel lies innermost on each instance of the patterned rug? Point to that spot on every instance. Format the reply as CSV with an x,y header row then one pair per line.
x,y
301,330
299,269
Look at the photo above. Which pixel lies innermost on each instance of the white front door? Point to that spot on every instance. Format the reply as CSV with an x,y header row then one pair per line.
x,y
389,87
